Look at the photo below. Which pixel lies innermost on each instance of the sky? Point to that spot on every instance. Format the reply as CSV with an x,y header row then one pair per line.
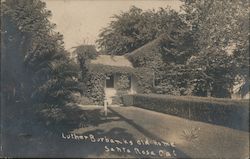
x,y
80,21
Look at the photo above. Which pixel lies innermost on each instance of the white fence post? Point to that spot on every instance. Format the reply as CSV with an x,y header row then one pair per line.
x,y
105,107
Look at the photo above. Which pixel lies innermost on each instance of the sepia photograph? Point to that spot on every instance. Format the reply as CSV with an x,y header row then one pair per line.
x,y
124,79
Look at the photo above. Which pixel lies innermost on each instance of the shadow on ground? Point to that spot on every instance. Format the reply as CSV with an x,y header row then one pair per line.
x,y
26,136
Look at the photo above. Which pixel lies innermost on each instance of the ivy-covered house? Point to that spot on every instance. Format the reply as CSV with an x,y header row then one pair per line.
x,y
112,76
148,69
119,76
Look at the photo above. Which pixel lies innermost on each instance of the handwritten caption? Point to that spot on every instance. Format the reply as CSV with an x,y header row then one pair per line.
x,y
143,147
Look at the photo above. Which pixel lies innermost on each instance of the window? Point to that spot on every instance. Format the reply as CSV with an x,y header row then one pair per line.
x,y
110,81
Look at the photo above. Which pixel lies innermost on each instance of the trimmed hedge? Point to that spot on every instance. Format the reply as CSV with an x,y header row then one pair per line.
x,y
127,100
226,112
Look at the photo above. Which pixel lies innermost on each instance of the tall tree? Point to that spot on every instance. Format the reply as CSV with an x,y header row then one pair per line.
x,y
84,53
33,54
21,20
220,31
131,30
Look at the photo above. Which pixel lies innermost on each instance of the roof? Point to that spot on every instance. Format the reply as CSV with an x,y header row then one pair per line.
x,y
148,47
149,55
109,60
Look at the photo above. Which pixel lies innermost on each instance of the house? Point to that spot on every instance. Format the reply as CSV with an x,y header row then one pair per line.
x,y
131,73
149,55
135,72
119,75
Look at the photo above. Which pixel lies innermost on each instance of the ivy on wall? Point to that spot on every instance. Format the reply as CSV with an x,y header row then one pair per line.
x,y
94,81
143,76
144,79
123,82
94,86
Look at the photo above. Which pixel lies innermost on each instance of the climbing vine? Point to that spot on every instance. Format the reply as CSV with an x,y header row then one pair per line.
x,y
123,82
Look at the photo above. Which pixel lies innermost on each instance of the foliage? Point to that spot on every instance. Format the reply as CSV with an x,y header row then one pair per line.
x,y
143,76
173,79
209,37
96,77
91,82
84,54
17,34
133,29
123,82
220,32
171,45
191,133
217,79
169,77
117,100
144,79
51,114
61,83
122,86
225,112
84,100
94,87
70,116
127,100
36,65
148,56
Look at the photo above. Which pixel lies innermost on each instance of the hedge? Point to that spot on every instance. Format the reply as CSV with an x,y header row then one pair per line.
x,y
226,112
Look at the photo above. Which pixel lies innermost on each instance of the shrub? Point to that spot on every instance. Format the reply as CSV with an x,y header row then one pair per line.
x,y
50,114
127,100
85,101
191,133
118,99
225,112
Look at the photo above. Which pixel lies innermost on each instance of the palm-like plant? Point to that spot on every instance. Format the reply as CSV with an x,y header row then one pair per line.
x,y
61,83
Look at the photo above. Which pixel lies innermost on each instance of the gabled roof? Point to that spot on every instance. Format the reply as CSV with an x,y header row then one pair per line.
x,y
149,48
149,55
109,60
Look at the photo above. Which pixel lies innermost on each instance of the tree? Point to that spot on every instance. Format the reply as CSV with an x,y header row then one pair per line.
x,y
21,21
84,54
59,83
220,31
35,62
91,84
133,29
